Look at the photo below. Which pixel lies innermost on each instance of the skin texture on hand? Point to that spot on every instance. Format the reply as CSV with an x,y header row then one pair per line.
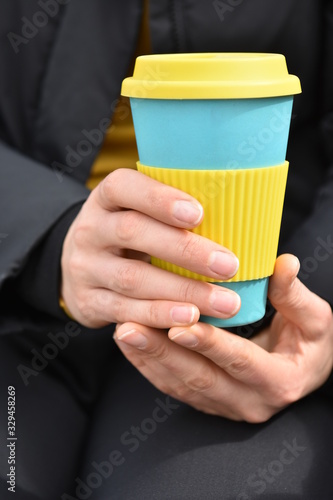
x,y
106,275
221,373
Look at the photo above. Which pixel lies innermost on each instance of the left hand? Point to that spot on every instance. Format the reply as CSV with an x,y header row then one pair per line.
x,y
223,374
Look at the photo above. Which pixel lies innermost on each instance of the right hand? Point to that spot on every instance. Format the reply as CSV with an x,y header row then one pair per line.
x,y
106,275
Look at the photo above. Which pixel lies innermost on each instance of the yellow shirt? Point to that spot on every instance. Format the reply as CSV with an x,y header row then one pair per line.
x,y
119,149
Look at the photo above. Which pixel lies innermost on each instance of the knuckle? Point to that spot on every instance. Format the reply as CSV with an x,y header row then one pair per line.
x,y
109,187
189,291
184,393
127,277
154,196
287,396
154,315
128,226
188,246
159,351
101,299
118,310
81,235
77,265
203,382
239,365
83,306
257,415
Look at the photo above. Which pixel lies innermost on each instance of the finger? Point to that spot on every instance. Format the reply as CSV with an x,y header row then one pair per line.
x,y
131,229
240,358
102,307
295,301
141,280
129,189
179,372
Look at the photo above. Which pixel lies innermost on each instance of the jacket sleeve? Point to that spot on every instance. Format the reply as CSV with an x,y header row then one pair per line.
x,y
312,242
57,92
36,211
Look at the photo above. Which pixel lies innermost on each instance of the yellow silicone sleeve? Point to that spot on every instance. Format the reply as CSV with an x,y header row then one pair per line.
x,y
243,210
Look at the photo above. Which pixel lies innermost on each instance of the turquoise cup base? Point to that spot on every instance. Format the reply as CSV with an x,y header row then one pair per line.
x,y
253,296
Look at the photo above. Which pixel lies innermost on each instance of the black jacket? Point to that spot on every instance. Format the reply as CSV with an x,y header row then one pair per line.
x,y
62,63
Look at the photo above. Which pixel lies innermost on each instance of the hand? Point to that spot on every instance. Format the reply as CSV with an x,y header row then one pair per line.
x,y
105,274
221,373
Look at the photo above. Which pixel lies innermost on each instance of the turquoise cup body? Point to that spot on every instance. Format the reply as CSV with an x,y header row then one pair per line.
x,y
215,134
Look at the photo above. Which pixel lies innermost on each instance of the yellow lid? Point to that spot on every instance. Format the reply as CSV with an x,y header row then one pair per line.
x,y
210,76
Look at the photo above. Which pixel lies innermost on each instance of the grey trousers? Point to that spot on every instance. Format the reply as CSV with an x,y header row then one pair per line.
x,y
89,426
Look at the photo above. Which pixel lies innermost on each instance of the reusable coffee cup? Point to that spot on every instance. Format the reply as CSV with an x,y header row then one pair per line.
x,y
216,126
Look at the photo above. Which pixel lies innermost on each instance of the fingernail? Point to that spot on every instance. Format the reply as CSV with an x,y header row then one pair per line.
x,y
225,302
133,338
185,338
223,263
297,265
187,211
183,314
295,274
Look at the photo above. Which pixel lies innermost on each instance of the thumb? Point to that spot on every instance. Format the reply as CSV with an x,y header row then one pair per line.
x,y
294,301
